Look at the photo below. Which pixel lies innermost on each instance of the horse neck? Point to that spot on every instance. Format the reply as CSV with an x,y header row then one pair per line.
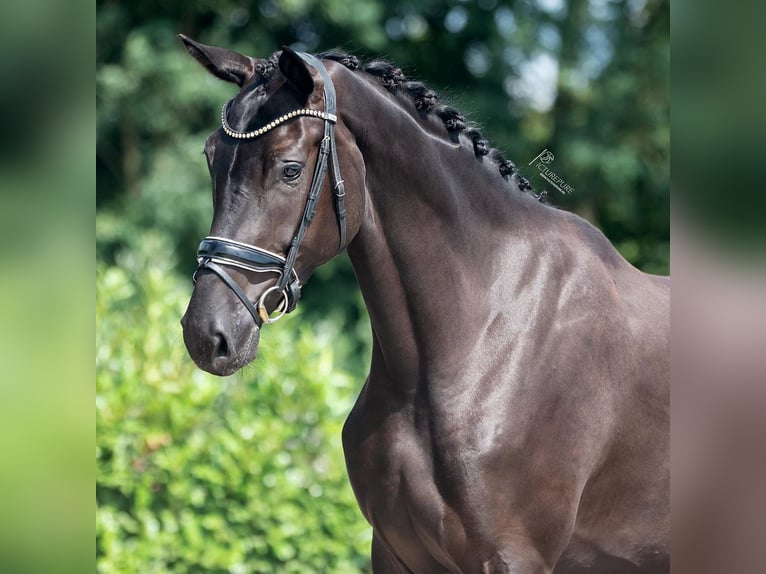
x,y
434,221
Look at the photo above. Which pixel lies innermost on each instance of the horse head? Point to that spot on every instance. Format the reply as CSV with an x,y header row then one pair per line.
x,y
281,206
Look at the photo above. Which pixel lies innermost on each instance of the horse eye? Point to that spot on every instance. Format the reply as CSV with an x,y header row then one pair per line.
x,y
292,171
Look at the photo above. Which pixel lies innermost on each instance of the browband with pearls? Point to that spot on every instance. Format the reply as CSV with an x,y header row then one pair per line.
x,y
271,125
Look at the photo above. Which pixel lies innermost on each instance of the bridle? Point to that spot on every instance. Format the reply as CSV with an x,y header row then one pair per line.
x,y
215,252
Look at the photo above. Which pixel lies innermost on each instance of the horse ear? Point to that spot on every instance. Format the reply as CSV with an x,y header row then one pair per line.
x,y
225,64
296,71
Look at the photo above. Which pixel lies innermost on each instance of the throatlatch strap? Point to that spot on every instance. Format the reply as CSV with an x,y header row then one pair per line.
x,y
340,198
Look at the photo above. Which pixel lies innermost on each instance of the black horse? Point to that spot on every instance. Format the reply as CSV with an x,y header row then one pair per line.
x,y
515,418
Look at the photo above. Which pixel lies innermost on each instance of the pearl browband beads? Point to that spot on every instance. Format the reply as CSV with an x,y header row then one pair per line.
x,y
271,125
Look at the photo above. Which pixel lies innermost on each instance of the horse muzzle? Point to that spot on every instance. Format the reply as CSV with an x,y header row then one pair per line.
x,y
219,334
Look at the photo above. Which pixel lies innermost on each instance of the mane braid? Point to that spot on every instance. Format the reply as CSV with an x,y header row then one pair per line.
x,y
523,183
425,99
453,120
389,75
480,145
266,68
507,167
348,60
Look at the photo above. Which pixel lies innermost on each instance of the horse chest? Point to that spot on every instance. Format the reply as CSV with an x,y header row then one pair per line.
x,y
391,469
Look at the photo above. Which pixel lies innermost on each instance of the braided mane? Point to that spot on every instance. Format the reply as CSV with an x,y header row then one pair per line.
x,y
426,102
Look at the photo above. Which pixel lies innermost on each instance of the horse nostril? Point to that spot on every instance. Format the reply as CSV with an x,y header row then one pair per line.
x,y
221,347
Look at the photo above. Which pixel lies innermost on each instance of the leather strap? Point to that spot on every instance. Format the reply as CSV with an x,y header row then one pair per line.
x,y
218,270
247,255
340,198
339,190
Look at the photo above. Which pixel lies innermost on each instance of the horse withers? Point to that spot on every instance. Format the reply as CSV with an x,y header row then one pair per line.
x,y
515,418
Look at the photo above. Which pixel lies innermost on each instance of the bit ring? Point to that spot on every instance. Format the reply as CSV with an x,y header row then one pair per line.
x,y
263,313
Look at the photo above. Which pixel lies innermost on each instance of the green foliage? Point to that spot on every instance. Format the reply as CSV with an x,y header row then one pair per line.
x,y
202,474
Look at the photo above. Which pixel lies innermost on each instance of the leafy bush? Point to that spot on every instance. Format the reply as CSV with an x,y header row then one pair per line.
x,y
203,474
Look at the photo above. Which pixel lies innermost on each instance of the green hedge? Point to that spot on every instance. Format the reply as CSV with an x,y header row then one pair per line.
x,y
204,474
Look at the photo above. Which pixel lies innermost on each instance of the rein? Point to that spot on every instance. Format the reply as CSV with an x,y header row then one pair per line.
x,y
215,252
